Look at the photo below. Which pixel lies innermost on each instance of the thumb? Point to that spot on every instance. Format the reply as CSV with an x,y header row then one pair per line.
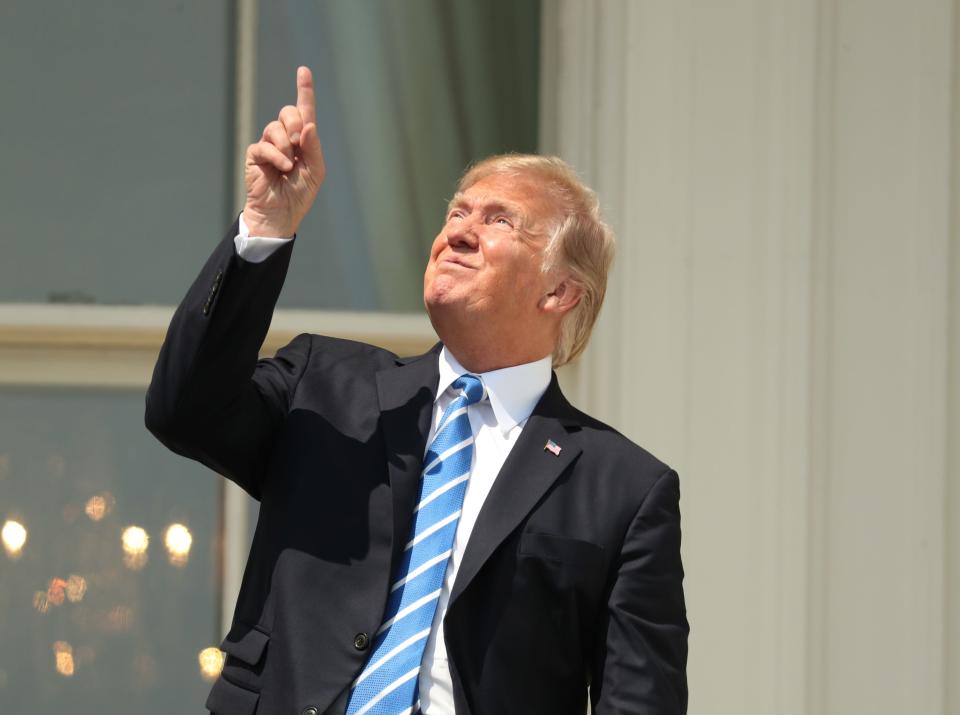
x,y
312,152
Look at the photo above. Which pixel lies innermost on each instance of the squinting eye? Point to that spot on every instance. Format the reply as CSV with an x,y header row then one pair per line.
x,y
504,220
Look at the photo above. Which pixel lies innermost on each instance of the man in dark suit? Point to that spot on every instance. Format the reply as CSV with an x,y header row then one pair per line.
x,y
443,533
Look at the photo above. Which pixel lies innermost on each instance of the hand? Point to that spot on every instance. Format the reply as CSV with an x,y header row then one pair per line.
x,y
284,170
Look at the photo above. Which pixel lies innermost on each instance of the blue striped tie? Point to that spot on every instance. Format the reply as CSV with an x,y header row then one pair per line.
x,y
388,684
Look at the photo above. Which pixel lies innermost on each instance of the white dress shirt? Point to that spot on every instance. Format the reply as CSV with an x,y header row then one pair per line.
x,y
497,421
255,249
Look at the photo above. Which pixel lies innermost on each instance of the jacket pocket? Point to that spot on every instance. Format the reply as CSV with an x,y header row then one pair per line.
x,y
237,690
246,643
562,549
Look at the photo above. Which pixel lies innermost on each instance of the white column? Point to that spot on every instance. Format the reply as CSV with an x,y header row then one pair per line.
x,y
884,234
776,326
951,633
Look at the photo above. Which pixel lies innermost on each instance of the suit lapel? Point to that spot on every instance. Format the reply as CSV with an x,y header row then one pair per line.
x,y
528,472
406,395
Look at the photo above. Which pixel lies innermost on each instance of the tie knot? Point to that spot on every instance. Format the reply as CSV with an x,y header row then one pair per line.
x,y
471,388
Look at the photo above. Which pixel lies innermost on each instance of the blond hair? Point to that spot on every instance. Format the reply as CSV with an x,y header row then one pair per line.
x,y
580,243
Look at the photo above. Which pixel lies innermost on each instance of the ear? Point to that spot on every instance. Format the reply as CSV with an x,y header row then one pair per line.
x,y
564,297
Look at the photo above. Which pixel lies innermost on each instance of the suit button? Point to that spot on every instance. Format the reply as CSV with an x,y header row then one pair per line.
x,y
361,641
309,711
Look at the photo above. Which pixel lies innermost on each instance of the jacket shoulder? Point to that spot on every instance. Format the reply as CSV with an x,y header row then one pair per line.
x,y
617,455
338,348
345,369
333,349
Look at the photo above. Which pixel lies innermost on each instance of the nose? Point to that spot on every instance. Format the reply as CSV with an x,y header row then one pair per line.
x,y
460,234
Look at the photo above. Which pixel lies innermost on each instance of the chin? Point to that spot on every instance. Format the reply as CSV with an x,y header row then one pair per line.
x,y
445,308
441,291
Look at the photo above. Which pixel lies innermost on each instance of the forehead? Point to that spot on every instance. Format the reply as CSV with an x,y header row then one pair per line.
x,y
522,194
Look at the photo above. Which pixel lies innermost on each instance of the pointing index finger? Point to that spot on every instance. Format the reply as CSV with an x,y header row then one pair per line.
x,y
306,102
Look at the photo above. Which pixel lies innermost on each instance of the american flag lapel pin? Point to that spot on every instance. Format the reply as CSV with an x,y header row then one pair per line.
x,y
552,447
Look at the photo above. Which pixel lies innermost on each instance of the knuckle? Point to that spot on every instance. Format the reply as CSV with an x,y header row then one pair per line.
x,y
276,135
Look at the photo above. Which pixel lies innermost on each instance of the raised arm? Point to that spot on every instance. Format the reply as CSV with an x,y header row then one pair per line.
x,y
210,398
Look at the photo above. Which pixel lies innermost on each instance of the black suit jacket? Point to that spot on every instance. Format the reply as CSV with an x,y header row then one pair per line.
x,y
572,575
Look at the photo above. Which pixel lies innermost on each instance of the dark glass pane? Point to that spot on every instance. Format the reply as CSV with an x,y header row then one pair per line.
x,y
94,617
115,138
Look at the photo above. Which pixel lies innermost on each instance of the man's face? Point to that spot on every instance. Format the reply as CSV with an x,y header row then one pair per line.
x,y
486,261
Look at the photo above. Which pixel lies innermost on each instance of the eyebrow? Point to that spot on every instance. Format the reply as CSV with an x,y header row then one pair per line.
x,y
459,200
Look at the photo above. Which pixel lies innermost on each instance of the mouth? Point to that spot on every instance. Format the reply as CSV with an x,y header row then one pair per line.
x,y
457,261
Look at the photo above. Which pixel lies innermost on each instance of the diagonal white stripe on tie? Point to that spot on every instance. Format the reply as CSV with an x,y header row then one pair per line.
x,y
408,610
447,419
389,689
447,453
439,491
432,530
399,649
421,568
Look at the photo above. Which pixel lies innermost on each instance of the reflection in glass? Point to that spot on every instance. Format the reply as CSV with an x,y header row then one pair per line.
x,y
14,535
211,663
178,540
135,542
99,505
40,602
63,655
56,591
118,619
76,588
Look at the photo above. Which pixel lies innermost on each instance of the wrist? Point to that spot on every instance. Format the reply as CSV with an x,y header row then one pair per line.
x,y
261,226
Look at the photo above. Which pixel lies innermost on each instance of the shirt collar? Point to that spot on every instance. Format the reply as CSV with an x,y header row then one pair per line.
x,y
513,391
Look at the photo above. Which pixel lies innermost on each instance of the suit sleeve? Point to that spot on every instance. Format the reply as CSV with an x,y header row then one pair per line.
x,y
641,659
211,399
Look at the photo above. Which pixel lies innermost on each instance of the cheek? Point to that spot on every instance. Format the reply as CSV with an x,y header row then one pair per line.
x,y
435,250
437,246
521,276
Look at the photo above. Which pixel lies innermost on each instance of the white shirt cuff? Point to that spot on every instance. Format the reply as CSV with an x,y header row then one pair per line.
x,y
255,249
